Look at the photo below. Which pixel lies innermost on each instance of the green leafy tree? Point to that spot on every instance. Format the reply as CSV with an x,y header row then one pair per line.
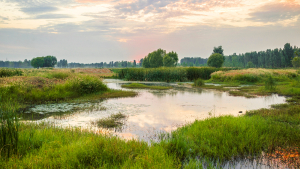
x,y
156,58
37,62
288,53
215,60
296,62
170,59
146,63
49,61
250,64
134,63
218,50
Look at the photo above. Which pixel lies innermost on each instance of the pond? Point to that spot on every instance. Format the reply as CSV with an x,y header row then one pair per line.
x,y
153,111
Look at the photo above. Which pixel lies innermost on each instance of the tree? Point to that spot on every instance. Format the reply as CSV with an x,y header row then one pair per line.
x,y
215,60
288,53
296,62
49,61
168,61
134,63
146,63
250,64
37,62
156,58
174,57
218,50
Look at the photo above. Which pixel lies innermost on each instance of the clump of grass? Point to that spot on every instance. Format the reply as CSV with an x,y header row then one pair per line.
x,y
270,83
240,93
58,75
227,137
199,82
113,121
5,72
142,86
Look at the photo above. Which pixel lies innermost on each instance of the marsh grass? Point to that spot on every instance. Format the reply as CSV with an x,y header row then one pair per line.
x,y
45,146
9,126
199,82
7,72
143,86
270,83
113,121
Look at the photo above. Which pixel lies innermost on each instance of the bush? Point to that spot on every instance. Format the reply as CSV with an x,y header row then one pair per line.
x,y
270,83
58,75
86,85
4,72
199,82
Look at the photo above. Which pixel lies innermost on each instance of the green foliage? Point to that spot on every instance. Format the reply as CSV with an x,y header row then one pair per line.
x,y
49,61
4,72
142,86
167,74
227,137
86,85
215,60
59,75
270,83
218,50
114,121
45,146
37,62
199,82
250,65
296,62
170,59
9,126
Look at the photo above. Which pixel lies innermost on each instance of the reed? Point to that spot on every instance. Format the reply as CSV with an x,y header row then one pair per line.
x,y
7,72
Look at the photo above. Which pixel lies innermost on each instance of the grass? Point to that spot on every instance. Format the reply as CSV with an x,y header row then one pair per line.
x,y
142,86
45,146
113,121
274,132
7,72
199,82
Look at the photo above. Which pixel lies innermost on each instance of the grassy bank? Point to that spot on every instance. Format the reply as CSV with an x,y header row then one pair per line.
x,y
142,86
167,74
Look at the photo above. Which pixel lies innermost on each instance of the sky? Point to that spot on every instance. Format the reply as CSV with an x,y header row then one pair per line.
x,y
90,31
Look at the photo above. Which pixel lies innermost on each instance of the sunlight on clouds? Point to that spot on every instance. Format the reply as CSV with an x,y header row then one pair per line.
x,y
123,40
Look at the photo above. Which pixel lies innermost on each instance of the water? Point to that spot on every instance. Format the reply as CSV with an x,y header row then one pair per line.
x,y
155,111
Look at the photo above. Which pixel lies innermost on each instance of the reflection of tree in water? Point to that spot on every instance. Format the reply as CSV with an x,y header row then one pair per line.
x,y
176,90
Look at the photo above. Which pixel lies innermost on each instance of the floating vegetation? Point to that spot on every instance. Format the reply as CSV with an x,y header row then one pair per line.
x,y
142,86
113,121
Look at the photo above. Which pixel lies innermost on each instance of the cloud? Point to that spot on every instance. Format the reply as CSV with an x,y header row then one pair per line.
x,y
39,9
276,11
52,16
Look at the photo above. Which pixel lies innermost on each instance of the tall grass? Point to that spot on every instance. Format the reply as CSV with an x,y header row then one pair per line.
x,y
9,127
227,137
74,87
5,72
166,74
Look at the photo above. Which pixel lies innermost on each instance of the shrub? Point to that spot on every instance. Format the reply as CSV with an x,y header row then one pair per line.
x,y
270,83
86,85
199,82
4,72
58,75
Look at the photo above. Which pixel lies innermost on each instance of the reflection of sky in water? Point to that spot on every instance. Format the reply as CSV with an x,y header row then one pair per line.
x,y
153,111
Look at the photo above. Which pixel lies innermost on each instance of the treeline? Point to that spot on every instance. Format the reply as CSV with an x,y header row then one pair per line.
x,y
193,61
112,64
16,64
276,58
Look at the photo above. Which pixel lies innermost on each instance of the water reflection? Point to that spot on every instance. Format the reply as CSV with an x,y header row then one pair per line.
x,y
154,111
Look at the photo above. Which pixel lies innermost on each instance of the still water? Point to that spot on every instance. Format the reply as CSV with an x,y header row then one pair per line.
x,y
156,111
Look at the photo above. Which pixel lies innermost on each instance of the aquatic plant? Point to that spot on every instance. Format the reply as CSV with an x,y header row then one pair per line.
x,y
270,83
199,82
142,86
